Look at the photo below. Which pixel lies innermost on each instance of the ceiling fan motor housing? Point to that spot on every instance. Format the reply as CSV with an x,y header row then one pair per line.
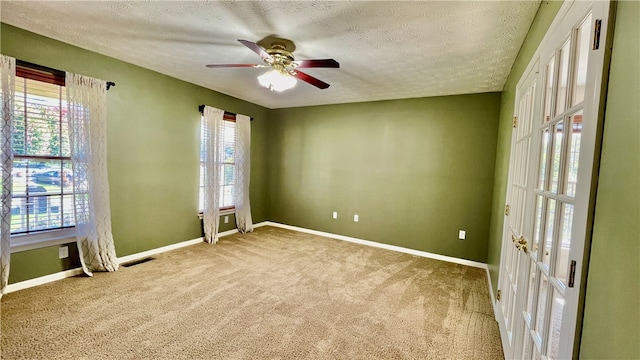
x,y
280,55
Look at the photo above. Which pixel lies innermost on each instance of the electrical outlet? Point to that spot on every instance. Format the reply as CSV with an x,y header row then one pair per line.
x,y
355,218
335,214
462,234
63,252
226,219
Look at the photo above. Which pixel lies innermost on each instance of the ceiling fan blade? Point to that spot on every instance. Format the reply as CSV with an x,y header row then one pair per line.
x,y
310,79
256,49
230,65
322,63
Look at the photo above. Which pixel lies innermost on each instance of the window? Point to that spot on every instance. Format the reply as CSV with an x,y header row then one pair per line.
x,y
227,179
42,178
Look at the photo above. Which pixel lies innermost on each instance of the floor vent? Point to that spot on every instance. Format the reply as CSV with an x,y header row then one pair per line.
x,y
139,261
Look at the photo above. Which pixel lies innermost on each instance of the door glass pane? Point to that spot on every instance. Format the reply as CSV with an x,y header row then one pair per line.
x,y
555,156
582,53
553,342
536,354
548,234
509,261
542,304
522,116
522,153
544,155
512,311
548,90
573,156
531,292
514,203
515,260
504,301
527,347
562,259
537,229
563,78
531,107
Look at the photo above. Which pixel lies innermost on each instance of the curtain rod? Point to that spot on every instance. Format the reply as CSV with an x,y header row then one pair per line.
x,y
201,110
54,72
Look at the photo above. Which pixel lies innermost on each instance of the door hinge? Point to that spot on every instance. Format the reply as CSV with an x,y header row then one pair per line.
x,y
498,296
506,210
597,27
572,274
515,121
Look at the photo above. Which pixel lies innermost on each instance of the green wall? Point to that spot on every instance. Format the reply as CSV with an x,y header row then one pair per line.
x,y
153,149
611,323
415,171
26,265
611,327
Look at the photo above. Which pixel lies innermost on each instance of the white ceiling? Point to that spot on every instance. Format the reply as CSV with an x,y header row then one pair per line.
x,y
387,50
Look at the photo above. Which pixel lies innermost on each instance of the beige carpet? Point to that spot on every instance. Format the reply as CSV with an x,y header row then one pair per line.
x,y
270,294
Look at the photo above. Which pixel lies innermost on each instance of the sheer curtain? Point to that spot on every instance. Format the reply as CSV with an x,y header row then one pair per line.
x,y
7,96
213,131
243,166
87,115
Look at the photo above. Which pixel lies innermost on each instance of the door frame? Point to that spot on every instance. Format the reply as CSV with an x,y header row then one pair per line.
x,y
587,180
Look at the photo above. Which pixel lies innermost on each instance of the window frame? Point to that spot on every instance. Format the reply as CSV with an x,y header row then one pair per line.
x,y
46,237
225,210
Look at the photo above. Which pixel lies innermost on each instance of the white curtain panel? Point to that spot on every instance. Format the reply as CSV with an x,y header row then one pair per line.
x,y
213,151
243,167
87,115
7,94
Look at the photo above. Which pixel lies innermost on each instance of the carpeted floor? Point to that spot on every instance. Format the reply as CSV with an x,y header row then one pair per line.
x,y
270,294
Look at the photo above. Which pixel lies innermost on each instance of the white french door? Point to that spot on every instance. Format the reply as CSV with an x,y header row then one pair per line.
x,y
550,178
514,262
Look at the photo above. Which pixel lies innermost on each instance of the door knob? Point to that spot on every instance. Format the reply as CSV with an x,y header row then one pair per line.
x,y
522,244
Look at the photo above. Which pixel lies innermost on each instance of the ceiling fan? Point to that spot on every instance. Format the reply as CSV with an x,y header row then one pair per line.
x,y
284,68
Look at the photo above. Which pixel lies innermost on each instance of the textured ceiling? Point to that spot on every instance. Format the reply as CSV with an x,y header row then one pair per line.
x,y
387,50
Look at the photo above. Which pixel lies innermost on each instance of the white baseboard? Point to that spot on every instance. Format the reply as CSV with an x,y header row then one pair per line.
x,y
228,232
261,224
399,249
42,280
380,245
493,298
144,254
141,255
394,248
128,258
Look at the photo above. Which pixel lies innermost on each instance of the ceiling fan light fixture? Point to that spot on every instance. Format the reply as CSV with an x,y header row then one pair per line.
x,y
284,74
277,80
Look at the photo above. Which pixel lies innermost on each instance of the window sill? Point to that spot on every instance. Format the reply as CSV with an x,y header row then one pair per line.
x,y
42,239
222,212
